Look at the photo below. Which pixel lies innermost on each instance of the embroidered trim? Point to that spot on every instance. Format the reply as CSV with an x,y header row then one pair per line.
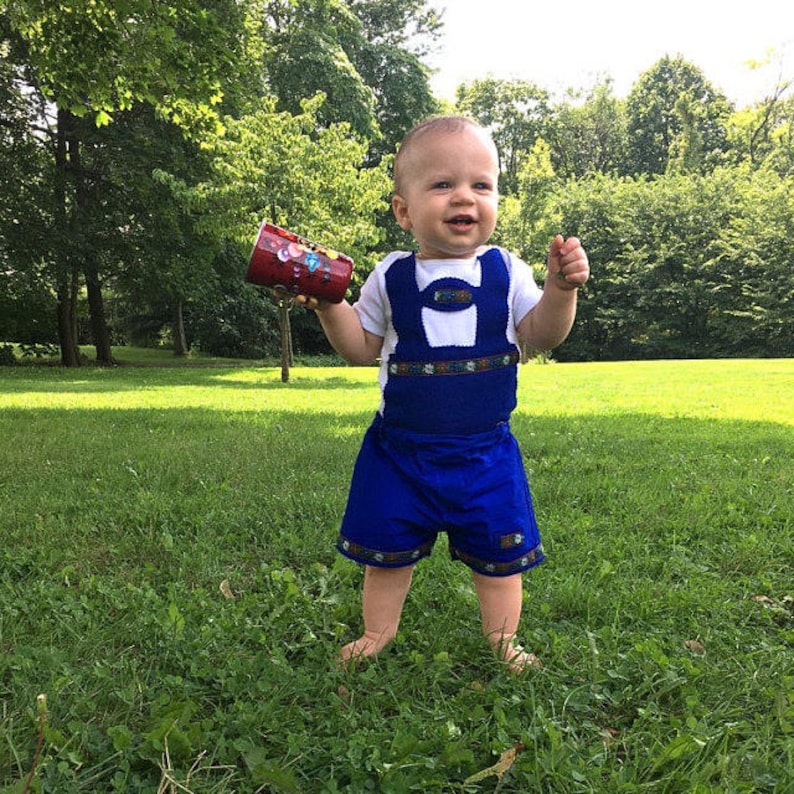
x,y
511,540
459,296
527,560
463,366
371,556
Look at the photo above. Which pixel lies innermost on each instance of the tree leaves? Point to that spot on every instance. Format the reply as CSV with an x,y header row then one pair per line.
x,y
101,57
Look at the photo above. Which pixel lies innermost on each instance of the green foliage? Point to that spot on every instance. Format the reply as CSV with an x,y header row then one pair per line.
x,y
516,113
7,356
24,206
98,58
764,134
363,55
589,134
671,278
674,115
231,318
756,249
279,166
526,224
27,307
308,53
177,597
388,55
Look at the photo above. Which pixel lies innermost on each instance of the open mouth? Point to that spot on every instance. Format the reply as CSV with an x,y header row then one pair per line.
x,y
461,220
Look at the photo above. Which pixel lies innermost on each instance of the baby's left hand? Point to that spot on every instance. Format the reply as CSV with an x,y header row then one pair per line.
x,y
568,263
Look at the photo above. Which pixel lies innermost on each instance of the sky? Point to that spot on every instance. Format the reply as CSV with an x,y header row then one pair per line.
x,y
560,44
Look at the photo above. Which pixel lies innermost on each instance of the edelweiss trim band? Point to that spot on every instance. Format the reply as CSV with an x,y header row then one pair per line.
x,y
463,366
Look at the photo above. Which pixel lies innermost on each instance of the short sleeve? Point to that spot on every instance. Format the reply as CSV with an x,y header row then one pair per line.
x,y
525,291
373,307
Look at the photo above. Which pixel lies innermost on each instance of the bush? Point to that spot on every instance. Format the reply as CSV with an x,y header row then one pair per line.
x,y
7,357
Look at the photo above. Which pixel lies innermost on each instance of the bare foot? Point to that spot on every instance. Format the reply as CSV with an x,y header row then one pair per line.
x,y
518,660
364,647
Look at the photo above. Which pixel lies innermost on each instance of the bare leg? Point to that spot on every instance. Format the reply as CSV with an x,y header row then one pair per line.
x,y
382,602
500,607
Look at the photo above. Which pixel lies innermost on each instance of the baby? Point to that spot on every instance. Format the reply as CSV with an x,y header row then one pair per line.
x,y
446,321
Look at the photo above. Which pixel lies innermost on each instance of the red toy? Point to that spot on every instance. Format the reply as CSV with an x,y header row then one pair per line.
x,y
285,260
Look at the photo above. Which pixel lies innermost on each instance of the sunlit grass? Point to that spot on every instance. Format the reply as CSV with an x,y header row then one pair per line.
x,y
664,614
715,389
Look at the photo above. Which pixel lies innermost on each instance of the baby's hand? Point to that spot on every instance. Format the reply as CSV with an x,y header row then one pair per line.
x,y
307,301
568,263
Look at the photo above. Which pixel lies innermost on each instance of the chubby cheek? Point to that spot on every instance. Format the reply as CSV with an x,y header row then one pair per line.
x,y
488,220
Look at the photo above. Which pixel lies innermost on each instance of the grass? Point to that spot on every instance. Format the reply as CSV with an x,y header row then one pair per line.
x,y
168,580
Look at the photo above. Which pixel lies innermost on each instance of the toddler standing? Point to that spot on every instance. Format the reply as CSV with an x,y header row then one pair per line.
x,y
446,321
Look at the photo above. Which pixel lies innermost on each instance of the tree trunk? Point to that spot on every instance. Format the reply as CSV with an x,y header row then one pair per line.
x,y
96,305
66,278
286,339
96,308
67,339
178,331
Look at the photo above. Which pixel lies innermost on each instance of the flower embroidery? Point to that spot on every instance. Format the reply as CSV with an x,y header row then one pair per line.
x,y
373,556
511,540
454,367
500,568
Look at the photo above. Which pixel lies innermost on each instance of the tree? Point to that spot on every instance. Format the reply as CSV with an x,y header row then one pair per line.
x,y
162,264
673,111
395,36
516,112
282,167
86,60
528,221
308,52
27,304
764,133
589,137
365,57
684,266
756,249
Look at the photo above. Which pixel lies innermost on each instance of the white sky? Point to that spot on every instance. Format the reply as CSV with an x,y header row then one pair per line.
x,y
558,44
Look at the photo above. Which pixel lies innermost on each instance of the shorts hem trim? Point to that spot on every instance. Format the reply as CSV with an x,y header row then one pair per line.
x,y
382,559
490,568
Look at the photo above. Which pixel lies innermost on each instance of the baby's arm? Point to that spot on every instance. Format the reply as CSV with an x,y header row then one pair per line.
x,y
342,326
550,321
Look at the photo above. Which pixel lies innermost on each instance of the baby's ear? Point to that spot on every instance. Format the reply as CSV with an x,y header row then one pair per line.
x,y
399,207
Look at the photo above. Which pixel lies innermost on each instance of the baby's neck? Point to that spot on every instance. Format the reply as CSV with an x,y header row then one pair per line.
x,y
470,258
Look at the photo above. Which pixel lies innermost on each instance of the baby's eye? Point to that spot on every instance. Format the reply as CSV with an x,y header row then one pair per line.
x,y
482,186
442,185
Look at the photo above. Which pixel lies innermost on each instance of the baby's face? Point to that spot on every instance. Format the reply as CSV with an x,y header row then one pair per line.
x,y
449,195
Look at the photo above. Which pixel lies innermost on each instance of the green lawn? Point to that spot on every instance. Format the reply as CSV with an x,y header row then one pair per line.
x,y
168,580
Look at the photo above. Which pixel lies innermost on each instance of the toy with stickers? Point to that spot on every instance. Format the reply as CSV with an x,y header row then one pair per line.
x,y
286,261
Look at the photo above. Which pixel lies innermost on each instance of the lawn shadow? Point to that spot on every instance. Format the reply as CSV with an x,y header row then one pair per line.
x,y
131,379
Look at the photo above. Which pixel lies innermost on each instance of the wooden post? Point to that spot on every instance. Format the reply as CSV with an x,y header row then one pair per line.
x,y
286,338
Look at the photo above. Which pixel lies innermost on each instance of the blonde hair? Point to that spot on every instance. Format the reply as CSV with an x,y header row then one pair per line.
x,y
446,124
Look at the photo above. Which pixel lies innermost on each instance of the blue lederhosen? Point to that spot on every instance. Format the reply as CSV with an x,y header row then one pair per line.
x,y
441,457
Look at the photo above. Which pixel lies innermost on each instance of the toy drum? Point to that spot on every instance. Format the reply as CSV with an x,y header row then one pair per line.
x,y
285,260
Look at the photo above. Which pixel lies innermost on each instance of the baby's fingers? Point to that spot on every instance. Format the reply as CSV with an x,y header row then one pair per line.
x,y
574,265
307,301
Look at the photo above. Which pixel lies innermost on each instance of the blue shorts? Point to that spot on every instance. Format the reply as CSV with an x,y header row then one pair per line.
x,y
407,487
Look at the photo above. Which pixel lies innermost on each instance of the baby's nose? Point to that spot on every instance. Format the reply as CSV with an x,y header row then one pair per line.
x,y
463,195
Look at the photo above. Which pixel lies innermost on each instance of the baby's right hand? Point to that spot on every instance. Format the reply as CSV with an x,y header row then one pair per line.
x,y
307,301
310,302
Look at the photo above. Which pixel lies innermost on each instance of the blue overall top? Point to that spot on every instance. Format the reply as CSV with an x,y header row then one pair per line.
x,y
454,389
